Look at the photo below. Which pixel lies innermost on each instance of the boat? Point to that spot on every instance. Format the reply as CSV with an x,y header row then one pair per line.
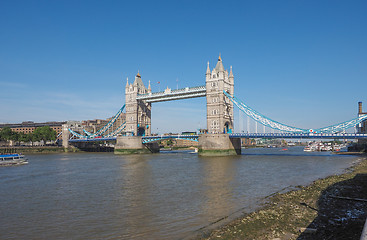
x,y
324,147
12,159
307,149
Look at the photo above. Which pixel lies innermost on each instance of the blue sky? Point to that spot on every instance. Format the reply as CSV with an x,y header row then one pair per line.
x,y
302,63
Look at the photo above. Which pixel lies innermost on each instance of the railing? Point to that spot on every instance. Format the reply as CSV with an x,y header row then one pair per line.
x,y
93,139
262,119
148,139
300,135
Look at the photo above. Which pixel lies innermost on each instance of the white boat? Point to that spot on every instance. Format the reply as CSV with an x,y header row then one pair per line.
x,y
307,149
324,147
12,159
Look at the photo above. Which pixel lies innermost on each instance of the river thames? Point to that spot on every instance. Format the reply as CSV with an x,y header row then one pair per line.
x,y
170,195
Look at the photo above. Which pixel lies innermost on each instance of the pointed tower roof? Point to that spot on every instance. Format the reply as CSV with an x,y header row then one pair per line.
x,y
149,88
138,82
231,73
219,66
208,69
127,82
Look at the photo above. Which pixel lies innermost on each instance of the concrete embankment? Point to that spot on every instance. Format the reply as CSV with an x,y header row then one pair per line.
x,y
331,208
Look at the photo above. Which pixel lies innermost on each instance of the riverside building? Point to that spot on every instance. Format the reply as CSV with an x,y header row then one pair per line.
x,y
362,127
29,126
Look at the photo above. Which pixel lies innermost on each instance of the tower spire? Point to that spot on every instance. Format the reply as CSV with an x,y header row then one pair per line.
x,y
219,67
127,82
149,88
230,72
208,69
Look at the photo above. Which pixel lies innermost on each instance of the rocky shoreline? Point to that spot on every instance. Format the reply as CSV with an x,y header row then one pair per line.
x,y
331,208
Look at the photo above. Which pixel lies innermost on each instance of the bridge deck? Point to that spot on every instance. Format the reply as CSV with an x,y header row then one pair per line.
x,y
169,94
147,139
300,135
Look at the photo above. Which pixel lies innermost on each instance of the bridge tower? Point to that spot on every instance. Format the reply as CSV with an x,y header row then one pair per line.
x,y
138,113
219,113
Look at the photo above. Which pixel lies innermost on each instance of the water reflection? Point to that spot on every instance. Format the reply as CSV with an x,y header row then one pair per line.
x,y
134,195
218,174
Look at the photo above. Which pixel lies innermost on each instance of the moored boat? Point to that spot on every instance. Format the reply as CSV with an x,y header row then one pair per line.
x,y
307,149
12,159
322,147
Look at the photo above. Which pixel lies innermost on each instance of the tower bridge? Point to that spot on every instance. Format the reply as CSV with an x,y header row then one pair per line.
x,y
169,94
134,135
139,99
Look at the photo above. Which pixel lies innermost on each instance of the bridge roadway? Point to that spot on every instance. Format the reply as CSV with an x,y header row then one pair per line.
x,y
169,94
147,139
300,135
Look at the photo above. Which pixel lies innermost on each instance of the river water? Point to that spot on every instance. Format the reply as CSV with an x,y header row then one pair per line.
x,y
159,196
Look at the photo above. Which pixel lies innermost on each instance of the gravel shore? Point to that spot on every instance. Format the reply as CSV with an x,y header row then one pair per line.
x,y
331,208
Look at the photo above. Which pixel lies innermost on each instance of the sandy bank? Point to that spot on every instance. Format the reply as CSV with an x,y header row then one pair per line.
x,y
331,208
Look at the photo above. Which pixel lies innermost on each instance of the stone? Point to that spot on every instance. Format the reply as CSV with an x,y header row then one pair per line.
x,y
218,145
134,145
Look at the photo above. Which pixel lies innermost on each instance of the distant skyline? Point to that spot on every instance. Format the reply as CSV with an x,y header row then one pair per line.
x,y
302,63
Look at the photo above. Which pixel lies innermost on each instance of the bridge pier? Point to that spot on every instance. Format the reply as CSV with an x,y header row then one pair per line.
x,y
218,145
65,136
134,145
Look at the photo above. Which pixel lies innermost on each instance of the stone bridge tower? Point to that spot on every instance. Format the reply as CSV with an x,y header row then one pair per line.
x,y
138,113
219,108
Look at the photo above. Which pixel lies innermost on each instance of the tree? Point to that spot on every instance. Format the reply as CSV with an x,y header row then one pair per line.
x,y
5,133
44,133
22,137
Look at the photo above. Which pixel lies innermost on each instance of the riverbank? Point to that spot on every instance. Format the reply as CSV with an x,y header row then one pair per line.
x,y
39,149
331,208
34,149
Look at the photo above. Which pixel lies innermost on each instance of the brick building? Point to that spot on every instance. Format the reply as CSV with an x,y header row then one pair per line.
x,y
362,127
29,127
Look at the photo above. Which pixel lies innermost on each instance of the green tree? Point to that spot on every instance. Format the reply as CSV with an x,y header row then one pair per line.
x,y
44,133
22,137
14,136
6,133
32,138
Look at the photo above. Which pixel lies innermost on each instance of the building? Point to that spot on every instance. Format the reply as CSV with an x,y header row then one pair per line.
x,y
248,142
181,143
219,113
93,126
29,127
362,127
185,143
138,113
